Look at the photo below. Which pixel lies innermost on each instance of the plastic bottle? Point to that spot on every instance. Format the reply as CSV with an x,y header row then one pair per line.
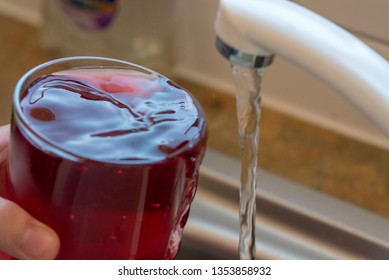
x,y
134,30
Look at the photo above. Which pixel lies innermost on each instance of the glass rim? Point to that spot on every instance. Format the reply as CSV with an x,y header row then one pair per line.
x,y
37,139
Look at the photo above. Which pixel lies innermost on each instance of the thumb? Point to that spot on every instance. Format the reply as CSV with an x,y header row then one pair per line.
x,y
22,236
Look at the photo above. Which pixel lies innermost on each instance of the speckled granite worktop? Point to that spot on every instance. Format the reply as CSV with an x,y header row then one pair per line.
x,y
317,158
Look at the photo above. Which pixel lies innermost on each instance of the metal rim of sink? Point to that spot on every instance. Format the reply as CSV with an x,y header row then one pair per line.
x,y
293,222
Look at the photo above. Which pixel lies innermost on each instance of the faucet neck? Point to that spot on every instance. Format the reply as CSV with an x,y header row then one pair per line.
x,y
265,27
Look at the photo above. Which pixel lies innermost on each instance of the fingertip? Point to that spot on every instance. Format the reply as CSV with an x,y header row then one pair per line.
x,y
39,242
24,237
4,136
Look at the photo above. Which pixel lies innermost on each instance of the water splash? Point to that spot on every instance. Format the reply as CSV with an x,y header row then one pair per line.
x,y
247,83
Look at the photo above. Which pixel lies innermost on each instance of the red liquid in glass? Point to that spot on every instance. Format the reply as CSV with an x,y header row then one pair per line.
x,y
133,145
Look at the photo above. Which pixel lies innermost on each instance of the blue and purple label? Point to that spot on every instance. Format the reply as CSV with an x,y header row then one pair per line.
x,y
90,14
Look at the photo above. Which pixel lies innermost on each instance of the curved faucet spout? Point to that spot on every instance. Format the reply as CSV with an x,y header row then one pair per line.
x,y
261,28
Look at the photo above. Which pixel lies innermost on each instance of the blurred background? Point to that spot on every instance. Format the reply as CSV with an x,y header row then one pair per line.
x,y
309,134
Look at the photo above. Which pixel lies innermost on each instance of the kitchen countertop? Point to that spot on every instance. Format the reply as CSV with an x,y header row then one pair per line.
x,y
315,157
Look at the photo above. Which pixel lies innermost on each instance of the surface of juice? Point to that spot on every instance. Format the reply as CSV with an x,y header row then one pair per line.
x,y
110,161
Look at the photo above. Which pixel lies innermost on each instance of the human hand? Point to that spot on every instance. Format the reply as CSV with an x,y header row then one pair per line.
x,y
21,235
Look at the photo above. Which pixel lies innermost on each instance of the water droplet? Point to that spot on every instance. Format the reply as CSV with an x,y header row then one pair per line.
x,y
156,205
72,217
119,171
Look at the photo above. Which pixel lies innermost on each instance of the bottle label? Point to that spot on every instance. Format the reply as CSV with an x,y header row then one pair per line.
x,y
90,14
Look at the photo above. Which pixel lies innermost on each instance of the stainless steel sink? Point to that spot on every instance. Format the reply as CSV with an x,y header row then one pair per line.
x,y
293,222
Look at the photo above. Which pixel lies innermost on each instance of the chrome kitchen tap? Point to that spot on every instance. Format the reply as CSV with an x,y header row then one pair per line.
x,y
251,32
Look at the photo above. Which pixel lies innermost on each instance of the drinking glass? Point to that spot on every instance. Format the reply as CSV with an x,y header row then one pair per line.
x,y
107,153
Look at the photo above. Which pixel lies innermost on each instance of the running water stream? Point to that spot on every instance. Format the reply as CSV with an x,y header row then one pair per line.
x,y
247,83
